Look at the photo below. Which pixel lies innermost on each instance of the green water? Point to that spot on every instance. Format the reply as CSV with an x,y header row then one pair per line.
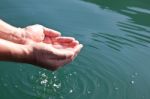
x,y
115,60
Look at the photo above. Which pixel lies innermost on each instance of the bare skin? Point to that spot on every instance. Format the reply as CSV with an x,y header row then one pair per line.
x,y
37,45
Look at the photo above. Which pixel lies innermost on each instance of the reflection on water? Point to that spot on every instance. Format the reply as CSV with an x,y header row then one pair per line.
x,y
136,10
135,30
114,63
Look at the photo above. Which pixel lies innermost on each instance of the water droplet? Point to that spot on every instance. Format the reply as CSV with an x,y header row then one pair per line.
x,y
43,75
132,82
134,75
70,74
70,91
39,72
44,81
55,77
57,85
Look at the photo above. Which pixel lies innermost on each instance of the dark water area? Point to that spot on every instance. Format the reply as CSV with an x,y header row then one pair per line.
x,y
115,60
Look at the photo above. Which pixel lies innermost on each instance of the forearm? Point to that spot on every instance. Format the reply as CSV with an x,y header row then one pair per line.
x,y
11,33
10,51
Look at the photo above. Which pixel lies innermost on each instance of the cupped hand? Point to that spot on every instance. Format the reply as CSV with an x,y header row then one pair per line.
x,y
52,56
50,49
38,45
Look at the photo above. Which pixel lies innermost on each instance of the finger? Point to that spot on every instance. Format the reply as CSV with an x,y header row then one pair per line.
x,y
77,50
73,44
62,53
47,40
68,44
60,40
51,33
78,47
65,39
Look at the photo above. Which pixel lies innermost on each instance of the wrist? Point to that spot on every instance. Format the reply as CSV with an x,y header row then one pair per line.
x,y
20,35
16,35
10,51
22,53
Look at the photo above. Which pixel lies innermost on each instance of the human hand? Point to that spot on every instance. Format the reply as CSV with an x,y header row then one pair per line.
x,y
37,45
50,49
52,56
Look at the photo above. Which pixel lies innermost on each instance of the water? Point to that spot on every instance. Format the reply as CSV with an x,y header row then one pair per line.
x,y
115,60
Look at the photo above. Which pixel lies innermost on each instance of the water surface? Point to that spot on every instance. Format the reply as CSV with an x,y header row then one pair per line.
x,y
115,60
